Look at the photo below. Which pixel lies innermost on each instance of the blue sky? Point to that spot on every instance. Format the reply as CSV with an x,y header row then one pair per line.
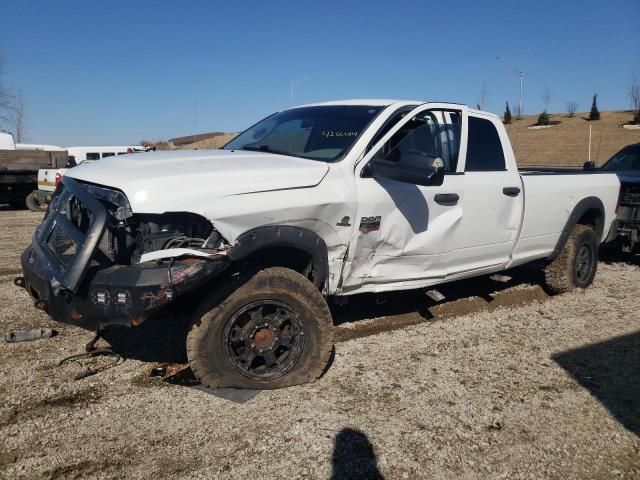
x,y
119,71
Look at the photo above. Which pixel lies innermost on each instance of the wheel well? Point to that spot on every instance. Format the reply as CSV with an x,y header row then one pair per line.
x,y
588,211
287,257
593,217
284,246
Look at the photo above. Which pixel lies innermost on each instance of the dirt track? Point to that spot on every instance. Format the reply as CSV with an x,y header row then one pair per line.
x,y
509,384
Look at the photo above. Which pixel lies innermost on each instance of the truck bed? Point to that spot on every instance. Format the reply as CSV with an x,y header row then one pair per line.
x,y
556,170
19,171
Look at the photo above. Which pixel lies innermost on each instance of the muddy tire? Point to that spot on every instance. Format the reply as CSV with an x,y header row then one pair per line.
x,y
577,263
270,331
34,204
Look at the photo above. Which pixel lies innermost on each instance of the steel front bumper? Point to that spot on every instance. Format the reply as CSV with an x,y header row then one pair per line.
x,y
80,292
117,295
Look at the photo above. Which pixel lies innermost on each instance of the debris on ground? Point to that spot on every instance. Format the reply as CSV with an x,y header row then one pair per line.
x,y
29,335
92,366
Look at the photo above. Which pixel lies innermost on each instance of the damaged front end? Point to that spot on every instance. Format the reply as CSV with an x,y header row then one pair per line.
x,y
93,263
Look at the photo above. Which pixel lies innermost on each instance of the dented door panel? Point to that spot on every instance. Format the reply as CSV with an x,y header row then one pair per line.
x,y
413,240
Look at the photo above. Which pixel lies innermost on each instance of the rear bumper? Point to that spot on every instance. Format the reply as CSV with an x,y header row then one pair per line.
x,y
117,295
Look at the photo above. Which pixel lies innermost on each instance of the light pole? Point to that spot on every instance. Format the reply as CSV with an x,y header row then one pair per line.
x,y
195,107
520,73
298,81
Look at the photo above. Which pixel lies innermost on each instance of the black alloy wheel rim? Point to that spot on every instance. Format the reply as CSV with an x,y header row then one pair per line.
x,y
584,263
264,339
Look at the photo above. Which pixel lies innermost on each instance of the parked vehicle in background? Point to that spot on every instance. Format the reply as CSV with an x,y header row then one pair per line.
x,y
322,200
626,164
6,141
49,178
83,154
19,165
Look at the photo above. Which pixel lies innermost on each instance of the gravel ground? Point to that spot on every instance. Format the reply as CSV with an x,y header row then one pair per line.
x,y
511,384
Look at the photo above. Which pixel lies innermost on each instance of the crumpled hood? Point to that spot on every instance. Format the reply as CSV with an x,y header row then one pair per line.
x,y
157,182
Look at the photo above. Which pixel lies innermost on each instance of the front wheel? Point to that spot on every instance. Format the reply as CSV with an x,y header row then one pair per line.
x,y
274,330
577,263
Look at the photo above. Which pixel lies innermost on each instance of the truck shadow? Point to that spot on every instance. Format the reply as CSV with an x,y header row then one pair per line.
x,y
479,293
159,339
162,338
610,371
612,255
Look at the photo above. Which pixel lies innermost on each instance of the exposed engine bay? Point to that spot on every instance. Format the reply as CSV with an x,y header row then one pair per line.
x,y
128,237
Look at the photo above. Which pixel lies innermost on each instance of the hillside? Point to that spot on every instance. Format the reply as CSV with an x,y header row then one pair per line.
x,y
562,144
209,143
567,143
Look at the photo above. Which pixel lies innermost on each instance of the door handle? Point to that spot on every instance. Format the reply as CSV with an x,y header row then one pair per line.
x,y
447,199
511,191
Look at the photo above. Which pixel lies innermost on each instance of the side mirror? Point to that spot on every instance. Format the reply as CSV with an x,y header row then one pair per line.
x,y
589,165
426,176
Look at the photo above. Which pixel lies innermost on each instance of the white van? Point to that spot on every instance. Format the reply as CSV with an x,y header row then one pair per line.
x,y
83,154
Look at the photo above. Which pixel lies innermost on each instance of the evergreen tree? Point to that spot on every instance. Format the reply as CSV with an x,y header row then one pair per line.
x,y
594,114
543,119
636,117
478,107
507,114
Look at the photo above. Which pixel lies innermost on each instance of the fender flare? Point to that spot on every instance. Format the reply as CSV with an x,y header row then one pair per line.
x,y
285,236
584,205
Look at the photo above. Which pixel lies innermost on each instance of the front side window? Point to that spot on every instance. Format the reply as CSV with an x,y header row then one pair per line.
x,y
484,148
108,154
323,133
93,156
427,136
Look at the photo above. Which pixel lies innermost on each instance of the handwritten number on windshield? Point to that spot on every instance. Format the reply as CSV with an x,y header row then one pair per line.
x,y
338,133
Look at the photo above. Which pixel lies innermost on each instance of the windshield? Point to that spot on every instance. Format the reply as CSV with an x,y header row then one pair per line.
x,y
319,133
626,159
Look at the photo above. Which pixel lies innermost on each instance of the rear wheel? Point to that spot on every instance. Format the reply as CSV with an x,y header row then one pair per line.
x,y
34,204
577,263
272,331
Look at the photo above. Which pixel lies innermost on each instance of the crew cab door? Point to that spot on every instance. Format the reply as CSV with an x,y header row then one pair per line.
x,y
492,198
402,233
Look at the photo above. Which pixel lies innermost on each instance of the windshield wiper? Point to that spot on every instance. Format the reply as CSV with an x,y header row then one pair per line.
x,y
267,148
261,148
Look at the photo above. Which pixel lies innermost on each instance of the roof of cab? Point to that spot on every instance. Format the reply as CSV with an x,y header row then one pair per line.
x,y
373,102
378,102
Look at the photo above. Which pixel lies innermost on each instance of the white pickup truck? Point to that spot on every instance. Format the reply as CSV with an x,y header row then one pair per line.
x,y
323,200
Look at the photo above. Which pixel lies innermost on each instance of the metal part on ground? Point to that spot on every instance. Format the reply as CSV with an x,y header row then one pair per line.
x,y
29,335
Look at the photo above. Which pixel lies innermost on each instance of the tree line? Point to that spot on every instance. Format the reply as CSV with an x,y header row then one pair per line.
x,y
633,94
13,108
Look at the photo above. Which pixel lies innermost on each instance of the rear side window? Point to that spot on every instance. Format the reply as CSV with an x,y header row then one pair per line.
x,y
484,149
93,156
108,154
